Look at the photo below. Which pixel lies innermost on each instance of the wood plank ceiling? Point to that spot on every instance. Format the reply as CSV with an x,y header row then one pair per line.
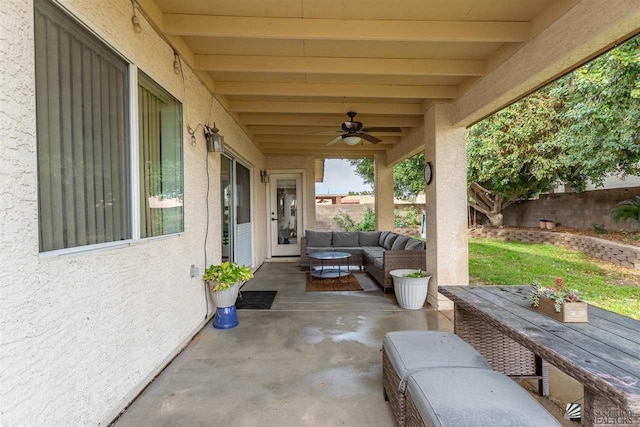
x,y
288,68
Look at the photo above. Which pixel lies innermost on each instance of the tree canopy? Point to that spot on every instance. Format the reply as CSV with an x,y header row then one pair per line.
x,y
578,129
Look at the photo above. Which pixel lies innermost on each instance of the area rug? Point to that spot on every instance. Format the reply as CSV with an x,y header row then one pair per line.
x,y
349,283
255,300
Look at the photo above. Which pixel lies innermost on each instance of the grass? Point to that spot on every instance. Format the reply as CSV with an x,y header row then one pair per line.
x,y
494,262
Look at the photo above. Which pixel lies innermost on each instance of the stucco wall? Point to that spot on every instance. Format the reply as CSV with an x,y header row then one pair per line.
x,y
577,210
81,332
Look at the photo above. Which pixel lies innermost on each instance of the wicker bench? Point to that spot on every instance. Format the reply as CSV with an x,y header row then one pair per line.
x,y
470,397
407,352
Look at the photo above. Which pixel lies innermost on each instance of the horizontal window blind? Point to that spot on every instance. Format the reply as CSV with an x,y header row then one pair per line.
x,y
82,135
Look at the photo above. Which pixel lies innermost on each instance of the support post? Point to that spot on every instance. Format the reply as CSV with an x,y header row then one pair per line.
x,y
383,176
446,200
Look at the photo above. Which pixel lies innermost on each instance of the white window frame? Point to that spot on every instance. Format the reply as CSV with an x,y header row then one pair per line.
x,y
134,154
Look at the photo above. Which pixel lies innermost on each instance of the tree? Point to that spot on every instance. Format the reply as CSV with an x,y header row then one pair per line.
x,y
408,178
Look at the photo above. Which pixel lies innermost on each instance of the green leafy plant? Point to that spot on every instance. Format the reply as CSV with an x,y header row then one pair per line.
x,y
406,218
558,293
223,276
416,275
345,222
598,228
627,210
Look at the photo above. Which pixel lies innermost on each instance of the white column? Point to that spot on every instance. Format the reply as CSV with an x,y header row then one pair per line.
x,y
446,199
383,177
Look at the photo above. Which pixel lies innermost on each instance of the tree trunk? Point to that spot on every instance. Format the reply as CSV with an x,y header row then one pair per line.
x,y
496,219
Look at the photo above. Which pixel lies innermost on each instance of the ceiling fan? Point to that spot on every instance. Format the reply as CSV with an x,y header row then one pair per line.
x,y
353,132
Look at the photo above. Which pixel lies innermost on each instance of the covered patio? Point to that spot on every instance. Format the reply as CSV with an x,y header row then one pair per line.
x,y
114,202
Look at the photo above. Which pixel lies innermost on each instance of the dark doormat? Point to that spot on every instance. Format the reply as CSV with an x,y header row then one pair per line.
x,y
255,300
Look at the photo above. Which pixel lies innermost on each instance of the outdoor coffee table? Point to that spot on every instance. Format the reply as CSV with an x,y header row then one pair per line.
x,y
329,273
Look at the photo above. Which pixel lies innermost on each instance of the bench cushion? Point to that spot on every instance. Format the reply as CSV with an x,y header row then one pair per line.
x,y
345,239
368,238
318,238
316,249
354,250
373,251
414,350
388,241
474,397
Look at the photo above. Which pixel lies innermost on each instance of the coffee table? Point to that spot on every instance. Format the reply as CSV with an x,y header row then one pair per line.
x,y
329,273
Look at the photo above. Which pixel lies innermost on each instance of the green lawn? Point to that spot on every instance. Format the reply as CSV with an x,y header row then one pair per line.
x,y
494,262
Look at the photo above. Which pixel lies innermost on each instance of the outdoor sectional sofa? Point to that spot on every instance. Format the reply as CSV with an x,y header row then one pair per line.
x,y
378,252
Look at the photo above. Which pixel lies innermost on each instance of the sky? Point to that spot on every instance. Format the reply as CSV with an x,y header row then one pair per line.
x,y
340,178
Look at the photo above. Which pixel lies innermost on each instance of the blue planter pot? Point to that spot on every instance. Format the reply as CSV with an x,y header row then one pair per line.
x,y
225,318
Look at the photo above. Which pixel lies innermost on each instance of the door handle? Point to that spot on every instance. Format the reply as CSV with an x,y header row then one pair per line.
x,y
274,219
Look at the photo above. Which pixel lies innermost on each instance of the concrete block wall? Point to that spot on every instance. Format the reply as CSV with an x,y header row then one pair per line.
x,y
606,250
576,210
325,214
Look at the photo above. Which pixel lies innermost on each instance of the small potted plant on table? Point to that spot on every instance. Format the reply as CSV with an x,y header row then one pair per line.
x,y
558,302
411,287
224,282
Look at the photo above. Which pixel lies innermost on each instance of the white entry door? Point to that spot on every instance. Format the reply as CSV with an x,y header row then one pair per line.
x,y
286,214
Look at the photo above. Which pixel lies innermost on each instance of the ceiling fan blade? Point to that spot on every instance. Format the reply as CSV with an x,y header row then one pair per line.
x,y
371,139
382,129
326,132
334,140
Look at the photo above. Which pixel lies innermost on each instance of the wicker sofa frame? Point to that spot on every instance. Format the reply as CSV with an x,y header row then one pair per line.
x,y
392,260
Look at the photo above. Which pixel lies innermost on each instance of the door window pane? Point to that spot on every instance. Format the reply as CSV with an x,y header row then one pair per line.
x,y
161,177
287,211
243,190
82,112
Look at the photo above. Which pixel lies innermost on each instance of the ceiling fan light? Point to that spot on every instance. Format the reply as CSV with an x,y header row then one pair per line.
x,y
351,140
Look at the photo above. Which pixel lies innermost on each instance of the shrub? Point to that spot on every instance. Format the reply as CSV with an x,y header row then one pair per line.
x,y
345,222
627,210
406,218
598,228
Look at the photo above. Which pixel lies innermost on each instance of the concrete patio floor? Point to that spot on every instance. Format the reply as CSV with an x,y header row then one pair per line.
x,y
312,360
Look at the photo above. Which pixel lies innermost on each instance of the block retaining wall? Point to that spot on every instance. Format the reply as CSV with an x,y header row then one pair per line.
x,y
606,250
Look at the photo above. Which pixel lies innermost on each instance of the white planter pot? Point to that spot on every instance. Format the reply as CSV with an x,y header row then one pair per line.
x,y
411,293
226,298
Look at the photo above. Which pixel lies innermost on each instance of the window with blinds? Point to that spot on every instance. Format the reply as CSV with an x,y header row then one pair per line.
x,y
82,111
160,147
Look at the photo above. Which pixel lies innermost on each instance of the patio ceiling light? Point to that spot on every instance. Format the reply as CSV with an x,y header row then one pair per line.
x,y
351,140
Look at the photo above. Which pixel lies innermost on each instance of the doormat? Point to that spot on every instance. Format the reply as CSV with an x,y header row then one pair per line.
x,y
349,283
255,300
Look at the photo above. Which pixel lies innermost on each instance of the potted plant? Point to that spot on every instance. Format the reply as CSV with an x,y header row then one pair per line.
x,y
558,302
411,287
224,282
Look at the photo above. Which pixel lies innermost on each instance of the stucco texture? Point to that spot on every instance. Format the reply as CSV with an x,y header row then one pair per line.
x,y
80,332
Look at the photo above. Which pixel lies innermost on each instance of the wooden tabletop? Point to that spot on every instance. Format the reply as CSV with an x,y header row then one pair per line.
x,y
603,354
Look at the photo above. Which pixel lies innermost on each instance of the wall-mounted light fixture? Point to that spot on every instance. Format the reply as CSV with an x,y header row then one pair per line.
x,y
192,132
135,21
215,141
176,62
264,177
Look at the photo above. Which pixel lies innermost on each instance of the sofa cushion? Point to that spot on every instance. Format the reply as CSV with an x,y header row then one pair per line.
x,y
353,250
474,398
378,262
316,249
399,243
388,241
412,350
373,251
414,245
318,238
383,235
344,239
368,238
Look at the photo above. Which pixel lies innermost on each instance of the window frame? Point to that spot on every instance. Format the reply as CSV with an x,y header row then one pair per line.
x,y
133,141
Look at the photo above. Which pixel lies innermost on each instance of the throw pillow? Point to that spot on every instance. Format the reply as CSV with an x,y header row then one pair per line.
x,y
318,238
383,236
399,243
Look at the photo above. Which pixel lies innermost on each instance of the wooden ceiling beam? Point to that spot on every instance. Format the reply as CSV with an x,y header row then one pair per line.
x,y
324,107
340,90
327,120
315,65
346,29
304,130
310,139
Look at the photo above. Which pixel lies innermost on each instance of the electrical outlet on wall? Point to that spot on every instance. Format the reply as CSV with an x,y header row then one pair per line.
x,y
195,271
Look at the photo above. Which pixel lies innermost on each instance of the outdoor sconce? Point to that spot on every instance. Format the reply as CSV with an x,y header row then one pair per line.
x,y
215,141
135,21
264,177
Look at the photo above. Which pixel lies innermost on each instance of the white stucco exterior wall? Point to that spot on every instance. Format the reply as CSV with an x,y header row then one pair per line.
x,y
80,332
